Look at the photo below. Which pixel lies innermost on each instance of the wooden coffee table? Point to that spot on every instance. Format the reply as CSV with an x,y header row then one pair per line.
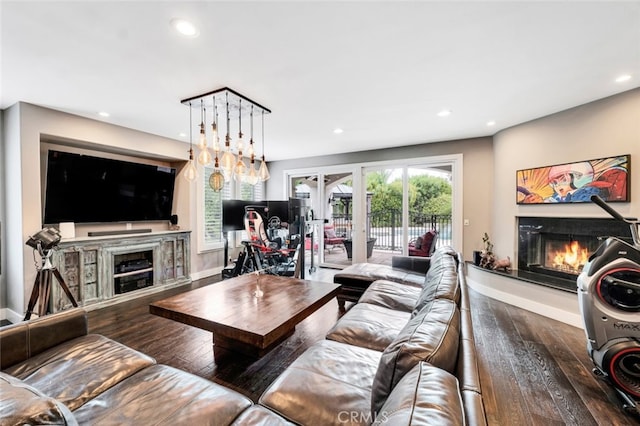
x,y
244,316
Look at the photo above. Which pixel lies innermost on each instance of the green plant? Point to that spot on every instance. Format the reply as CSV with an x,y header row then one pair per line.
x,y
488,245
488,259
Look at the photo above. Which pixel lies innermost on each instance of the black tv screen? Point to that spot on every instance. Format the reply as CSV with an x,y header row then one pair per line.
x,y
85,189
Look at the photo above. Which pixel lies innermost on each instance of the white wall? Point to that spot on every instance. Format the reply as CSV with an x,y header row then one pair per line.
x,y
26,126
477,177
607,127
603,128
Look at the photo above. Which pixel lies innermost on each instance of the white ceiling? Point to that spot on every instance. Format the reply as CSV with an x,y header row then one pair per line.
x,y
379,70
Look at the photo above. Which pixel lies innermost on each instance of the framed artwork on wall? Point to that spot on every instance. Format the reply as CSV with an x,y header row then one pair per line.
x,y
575,182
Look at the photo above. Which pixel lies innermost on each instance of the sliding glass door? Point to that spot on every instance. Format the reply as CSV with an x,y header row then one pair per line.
x,y
402,205
374,211
338,229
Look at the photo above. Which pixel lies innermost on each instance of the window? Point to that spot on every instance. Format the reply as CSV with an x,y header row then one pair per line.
x,y
210,208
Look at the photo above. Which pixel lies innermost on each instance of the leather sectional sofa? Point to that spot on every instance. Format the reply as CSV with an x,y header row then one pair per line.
x,y
403,355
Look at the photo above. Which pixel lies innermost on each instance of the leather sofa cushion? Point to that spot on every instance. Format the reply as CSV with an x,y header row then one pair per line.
x,y
160,394
329,384
431,336
80,369
426,395
361,275
418,265
26,339
14,341
441,281
259,415
391,295
24,405
369,326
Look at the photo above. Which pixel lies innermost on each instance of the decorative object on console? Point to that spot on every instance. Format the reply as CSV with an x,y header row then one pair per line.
x,y
502,265
575,182
67,230
488,258
173,223
229,165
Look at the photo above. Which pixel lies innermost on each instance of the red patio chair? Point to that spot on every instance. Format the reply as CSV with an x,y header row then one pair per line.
x,y
331,239
425,245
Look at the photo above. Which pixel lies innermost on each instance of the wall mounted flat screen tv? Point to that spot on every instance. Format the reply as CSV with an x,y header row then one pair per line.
x,y
85,189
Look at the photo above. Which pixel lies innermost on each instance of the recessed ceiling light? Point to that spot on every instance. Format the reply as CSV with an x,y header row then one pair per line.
x,y
623,78
185,27
182,134
444,113
491,123
103,114
337,131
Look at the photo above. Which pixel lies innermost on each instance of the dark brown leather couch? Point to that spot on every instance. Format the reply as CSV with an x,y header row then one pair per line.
x,y
71,377
403,355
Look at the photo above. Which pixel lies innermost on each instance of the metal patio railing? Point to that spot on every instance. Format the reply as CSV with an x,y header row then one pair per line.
x,y
386,228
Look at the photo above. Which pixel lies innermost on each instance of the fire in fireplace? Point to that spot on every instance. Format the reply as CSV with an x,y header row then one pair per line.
x,y
553,251
569,257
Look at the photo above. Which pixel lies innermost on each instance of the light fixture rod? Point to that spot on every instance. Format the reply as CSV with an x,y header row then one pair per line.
x,y
187,101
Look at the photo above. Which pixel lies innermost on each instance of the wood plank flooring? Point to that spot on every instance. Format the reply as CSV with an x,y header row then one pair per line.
x,y
534,370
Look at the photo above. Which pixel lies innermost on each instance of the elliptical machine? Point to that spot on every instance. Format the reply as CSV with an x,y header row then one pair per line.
x,y
609,299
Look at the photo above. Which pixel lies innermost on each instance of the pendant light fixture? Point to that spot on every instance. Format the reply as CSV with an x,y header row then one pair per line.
x,y
228,159
263,173
240,169
214,129
191,172
226,165
202,141
204,158
216,180
252,174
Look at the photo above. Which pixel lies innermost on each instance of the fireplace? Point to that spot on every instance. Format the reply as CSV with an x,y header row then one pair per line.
x,y
553,251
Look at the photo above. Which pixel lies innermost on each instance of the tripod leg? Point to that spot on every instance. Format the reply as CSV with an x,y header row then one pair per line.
x,y
34,297
45,292
64,287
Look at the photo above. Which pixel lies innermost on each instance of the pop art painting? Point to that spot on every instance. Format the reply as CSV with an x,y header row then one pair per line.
x,y
575,182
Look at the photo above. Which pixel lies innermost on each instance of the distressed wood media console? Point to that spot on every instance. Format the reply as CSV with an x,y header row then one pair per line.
x,y
100,270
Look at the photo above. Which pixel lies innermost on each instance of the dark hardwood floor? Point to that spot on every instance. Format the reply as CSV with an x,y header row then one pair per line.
x,y
534,370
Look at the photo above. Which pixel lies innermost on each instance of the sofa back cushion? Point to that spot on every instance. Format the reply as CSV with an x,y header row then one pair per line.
x,y
23,340
441,280
426,395
24,405
432,335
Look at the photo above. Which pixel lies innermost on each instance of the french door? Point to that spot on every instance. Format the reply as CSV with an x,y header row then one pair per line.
x,y
380,208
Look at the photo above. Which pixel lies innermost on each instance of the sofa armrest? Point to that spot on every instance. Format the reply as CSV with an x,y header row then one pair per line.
x,y
411,263
23,340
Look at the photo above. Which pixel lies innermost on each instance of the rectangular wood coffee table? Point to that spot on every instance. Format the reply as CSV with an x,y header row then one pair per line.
x,y
245,316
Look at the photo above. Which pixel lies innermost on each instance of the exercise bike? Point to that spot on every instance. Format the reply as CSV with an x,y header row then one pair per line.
x,y
609,299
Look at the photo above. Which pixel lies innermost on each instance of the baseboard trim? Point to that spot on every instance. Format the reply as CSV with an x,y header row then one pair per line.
x,y
570,317
12,316
206,273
